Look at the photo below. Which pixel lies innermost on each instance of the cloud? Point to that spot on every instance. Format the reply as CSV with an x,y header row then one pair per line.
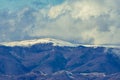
x,y
80,9
81,21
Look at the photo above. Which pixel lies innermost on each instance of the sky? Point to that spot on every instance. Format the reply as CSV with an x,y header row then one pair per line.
x,y
78,21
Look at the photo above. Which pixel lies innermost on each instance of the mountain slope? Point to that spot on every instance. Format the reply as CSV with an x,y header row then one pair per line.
x,y
50,59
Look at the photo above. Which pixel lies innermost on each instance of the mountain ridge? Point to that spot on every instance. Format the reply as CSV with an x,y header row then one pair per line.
x,y
55,42
52,62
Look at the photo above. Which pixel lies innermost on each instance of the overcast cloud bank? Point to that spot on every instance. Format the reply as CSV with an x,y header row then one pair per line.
x,y
81,21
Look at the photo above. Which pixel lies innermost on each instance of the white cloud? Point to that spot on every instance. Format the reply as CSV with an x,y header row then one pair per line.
x,y
84,21
78,9
109,37
58,10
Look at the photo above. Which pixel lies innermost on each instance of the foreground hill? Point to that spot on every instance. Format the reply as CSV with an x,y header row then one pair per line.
x,y
51,59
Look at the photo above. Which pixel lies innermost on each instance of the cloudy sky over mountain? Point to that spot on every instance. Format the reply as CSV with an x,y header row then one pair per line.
x,y
83,21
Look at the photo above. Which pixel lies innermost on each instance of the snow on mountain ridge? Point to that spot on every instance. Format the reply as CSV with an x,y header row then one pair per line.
x,y
56,42
26,43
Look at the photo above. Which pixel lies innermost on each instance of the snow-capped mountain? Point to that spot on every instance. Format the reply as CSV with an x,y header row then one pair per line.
x,y
55,42
48,59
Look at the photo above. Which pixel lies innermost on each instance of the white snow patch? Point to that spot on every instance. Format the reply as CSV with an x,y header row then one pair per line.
x,y
56,42
101,45
94,74
28,43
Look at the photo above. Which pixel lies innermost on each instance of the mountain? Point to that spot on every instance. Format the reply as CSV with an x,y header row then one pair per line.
x,y
28,43
53,59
